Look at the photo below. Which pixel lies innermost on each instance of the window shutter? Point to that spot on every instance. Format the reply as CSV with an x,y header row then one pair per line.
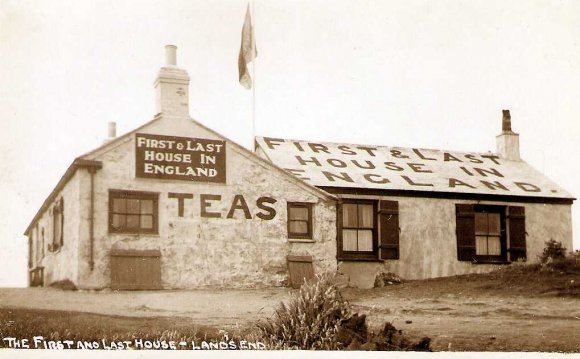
x,y
55,239
339,229
30,250
465,227
389,229
517,232
61,221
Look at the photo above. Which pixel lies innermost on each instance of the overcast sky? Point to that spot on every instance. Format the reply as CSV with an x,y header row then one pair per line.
x,y
427,74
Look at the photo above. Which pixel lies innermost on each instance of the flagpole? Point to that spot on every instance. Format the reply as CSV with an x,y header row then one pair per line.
x,y
252,143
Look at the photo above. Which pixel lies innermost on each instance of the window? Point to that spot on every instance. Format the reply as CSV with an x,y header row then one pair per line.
x,y
133,212
299,220
487,234
490,233
482,233
358,232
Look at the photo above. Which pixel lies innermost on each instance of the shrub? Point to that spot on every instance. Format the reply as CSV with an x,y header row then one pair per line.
x,y
310,320
552,252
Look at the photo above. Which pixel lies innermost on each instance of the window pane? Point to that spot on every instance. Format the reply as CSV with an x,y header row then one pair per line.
x,y
133,221
481,245
132,206
146,206
119,205
299,213
349,242
365,241
481,223
147,222
298,227
349,215
493,246
494,225
365,216
118,221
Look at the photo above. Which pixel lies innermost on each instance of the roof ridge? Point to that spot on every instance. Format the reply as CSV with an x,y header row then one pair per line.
x,y
374,145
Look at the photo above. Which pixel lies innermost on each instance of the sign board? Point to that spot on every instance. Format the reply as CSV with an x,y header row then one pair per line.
x,y
180,158
412,169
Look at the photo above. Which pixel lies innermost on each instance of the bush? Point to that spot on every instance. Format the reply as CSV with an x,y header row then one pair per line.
x,y
319,318
553,251
310,320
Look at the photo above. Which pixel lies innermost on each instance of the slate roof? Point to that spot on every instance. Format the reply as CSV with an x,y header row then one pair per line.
x,y
325,165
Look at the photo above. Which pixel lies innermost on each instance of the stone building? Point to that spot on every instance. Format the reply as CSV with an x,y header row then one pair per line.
x,y
173,204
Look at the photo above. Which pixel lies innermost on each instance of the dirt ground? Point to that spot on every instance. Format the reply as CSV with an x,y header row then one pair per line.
x,y
459,321
483,313
213,307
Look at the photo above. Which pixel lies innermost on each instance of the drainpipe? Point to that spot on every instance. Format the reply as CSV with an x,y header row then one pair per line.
x,y
92,171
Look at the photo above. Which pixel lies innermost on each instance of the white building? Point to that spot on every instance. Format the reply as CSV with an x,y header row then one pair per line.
x,y
173,204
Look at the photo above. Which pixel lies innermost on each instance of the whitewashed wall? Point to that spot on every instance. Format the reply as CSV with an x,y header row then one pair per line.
x,y
428,242
198,251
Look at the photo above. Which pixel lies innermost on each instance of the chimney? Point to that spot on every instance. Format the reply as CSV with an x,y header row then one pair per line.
x,y
508,142
172,86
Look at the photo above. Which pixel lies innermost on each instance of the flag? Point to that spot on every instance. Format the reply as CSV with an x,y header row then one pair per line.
x,y
247,51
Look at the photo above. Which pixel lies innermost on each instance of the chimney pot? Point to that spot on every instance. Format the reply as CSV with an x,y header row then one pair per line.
x,y
508,142
506,123
170,55
112,130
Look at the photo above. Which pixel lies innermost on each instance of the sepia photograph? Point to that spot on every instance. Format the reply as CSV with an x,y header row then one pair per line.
x,y
289,176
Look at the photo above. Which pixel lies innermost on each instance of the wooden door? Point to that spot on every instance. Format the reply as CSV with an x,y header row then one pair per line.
x,y
301,269
136,269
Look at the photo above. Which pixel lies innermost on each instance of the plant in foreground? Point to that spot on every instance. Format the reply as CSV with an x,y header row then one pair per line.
x,y
310,320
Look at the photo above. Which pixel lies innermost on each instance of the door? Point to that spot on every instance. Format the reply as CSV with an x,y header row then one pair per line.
x,y
136,269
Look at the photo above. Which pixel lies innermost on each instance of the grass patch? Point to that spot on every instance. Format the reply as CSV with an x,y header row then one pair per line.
x,y
76,326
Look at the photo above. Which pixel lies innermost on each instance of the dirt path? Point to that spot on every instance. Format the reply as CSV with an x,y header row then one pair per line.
x,y
465,322
221,308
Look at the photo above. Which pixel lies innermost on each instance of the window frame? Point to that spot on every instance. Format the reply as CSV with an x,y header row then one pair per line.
x,y
358,255
141,195
309,207
502,257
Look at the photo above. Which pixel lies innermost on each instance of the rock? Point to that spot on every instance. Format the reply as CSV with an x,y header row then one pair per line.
x,y
65,284
352,328
354,345
386,278
424,345
353,334
369,346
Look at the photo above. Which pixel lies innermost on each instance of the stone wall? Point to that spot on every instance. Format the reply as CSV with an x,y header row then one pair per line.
x,y
62,263
428,246
197,251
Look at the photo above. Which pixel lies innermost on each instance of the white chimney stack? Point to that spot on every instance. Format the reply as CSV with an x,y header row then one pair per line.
x,y
508,142
172,86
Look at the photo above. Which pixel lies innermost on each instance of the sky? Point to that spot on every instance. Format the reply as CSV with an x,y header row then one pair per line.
x,y
398,73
